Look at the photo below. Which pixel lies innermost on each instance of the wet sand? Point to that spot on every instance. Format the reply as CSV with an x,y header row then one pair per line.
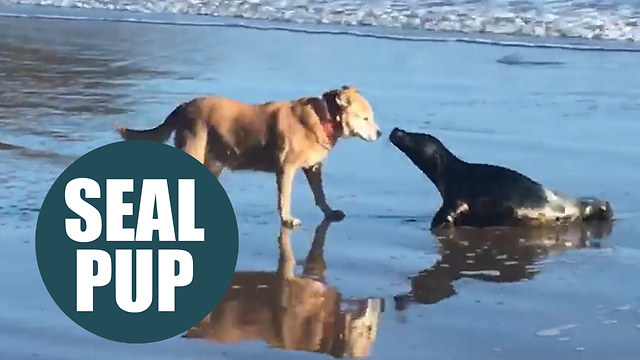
x,y
569,295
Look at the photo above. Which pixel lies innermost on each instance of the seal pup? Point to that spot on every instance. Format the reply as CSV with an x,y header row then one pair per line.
x,y
485,195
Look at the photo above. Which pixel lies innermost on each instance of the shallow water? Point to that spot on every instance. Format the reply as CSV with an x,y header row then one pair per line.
x,y
573,127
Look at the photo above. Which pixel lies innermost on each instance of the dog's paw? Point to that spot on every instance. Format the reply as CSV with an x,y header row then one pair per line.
x,y
291,222
334,215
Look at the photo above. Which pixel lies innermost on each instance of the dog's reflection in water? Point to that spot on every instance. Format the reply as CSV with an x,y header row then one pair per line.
x,y
293,312
499,255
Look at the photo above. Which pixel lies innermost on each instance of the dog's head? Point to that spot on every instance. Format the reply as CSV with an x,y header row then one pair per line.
x,y
353,112
425,151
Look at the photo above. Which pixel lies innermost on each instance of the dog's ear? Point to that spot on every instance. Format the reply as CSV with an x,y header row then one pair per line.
x,y
349,87
343,99
337,102
338,98
341,96
331,98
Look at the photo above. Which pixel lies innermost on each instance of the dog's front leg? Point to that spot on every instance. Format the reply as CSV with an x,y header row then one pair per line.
x,y
314,177
284,178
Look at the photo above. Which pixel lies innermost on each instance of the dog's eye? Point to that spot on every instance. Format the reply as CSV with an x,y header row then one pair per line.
x,y
366,118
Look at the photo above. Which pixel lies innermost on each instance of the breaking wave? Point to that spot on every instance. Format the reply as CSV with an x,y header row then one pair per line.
x,y
580,19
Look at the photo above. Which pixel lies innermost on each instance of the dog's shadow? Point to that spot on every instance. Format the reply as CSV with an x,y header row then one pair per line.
x,y
498,255
293,312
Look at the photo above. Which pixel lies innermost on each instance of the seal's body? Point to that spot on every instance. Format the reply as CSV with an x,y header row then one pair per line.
x,y
481,195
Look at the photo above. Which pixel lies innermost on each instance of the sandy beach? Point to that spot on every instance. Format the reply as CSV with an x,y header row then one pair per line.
x,y
573,127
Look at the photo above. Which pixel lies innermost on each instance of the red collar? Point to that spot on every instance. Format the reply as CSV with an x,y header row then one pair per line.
x,y
330,128
330,122
328,112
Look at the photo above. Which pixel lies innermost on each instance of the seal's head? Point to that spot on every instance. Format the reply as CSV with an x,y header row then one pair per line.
x,y
425,151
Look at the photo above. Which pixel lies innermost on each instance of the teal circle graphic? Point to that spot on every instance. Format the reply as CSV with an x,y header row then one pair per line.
x,y
142,272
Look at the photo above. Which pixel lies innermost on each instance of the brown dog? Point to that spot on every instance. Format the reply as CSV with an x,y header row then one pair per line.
x,y
274,137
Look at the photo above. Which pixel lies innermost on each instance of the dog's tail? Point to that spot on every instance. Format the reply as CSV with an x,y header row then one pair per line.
x,y
160,133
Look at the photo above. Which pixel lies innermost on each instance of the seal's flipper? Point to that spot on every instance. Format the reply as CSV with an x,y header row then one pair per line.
x,y
440,219
445,216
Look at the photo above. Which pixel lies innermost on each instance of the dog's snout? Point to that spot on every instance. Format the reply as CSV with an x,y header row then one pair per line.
x,y
378,133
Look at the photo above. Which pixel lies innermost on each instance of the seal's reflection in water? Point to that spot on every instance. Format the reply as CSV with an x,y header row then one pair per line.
x,y
500,255
293,312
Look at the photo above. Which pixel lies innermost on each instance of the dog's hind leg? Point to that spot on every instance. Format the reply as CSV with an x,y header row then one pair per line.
x,y
214,166
193,140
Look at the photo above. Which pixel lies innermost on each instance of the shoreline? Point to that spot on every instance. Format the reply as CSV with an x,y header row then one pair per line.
x,y
54,12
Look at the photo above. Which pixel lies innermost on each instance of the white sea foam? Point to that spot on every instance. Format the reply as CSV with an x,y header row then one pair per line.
x,y
555,331
587,19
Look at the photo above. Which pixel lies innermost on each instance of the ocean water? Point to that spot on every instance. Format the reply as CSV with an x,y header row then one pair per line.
x,y
609,19
537,19
71,70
